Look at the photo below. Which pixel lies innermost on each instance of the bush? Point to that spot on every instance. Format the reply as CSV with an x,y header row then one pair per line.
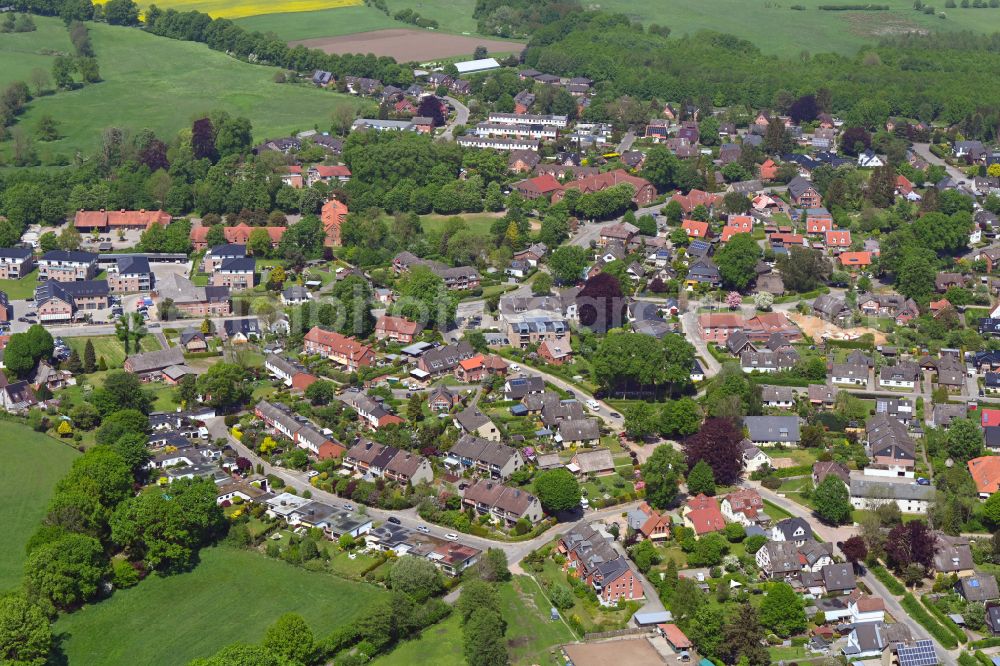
x,y
966,659
948,623
938,631
123,574
561,597
986,642
771,482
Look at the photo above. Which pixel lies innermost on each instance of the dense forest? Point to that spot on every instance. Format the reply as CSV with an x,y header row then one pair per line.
x,y
948,79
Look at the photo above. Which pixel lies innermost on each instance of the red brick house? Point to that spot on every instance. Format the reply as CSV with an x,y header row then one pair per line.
x,y
397,329
696,198
478,367
555,353
333,215
537,187
104,221
341,349
803,193
695,229
644,195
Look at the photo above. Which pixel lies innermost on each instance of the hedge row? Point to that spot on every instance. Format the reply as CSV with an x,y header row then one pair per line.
x,y
797,470
927,621
948,623
966,659
855,8
888,580
983,659
993,641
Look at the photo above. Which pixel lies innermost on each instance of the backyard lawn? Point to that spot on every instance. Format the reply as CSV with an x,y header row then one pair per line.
x,y
110,348
531,633
440,644
18,290
32,464
231,596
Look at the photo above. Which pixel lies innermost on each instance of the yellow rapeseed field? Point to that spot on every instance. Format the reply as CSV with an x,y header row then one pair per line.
x,y
240,8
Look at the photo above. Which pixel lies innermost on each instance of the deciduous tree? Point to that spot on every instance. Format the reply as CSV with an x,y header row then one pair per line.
x,y
718,444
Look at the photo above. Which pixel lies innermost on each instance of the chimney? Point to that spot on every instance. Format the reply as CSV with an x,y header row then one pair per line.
x,y
142,210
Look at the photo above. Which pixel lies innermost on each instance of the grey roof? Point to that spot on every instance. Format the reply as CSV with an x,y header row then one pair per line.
x,y
481,450
777,394
868,488
798,185
229,250
918,653
131,264
784,557
981,587
238,264
597,460
839,577
772,428
156,360
71,256
789,526
15,252
579,430
952,554
471,419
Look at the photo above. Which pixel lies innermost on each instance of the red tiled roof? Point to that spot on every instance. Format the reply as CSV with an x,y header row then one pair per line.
x,y
695,229
856,258
838,238
985,472
396,325
89,219
990,417
334,171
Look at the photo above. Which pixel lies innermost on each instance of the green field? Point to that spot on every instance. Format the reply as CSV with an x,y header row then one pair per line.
x,y
162,84
110,347
23,52
231,596
478,223
440,645
32,463
453,16
778,29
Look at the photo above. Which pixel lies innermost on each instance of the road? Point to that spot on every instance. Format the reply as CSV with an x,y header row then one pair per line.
x,y
461,118
626,142
924,151
689,324
591,232
836,535
408,518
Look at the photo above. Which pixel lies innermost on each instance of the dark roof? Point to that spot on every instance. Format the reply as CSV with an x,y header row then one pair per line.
x,y
839,577
229,250
131,264
15,252
65,255
246,326
789,526
240,264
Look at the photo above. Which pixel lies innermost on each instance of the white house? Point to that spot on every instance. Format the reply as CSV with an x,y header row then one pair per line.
x,y
869,160
869,494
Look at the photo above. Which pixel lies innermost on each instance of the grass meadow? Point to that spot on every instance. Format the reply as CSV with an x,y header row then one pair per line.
x,y
32,464
454,16
777,28
241,8
110,347
232,596
159,83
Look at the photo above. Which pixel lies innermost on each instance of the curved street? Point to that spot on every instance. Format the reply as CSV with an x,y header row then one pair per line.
x,y
461,118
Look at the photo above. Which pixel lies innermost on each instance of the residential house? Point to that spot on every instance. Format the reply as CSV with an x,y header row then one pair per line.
x,y
803,193
149,366
192,300
598,462
823,469
702,514
104,221
479,367
753,458
901,375
396,329
235,273
985,471
490,459
646,522
502,503
15,262
473,422
743,506
341,349
220,253
379,460
890,449
371,411
17,397
240,331
645,192
441,399
517,388
595,561
952,555
796,530
869,493
60,301
978,588
67,266
332,215
767,431
779,397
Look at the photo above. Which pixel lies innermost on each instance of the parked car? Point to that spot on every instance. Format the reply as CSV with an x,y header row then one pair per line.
x,y
394,520
615,415
423,529
593,404
451,536
348,507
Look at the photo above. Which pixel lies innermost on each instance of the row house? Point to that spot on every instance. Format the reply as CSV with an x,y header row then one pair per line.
x,y
480,366
595,561
869,493
473,422
502,503
235,235
498,118
519,131
291,373
396,329
444,359
645,192
130,274
497,143
15,262
300,430
455,278
491,459
342,350
379,460
67,266
369,410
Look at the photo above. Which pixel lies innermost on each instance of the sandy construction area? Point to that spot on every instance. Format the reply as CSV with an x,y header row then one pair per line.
x,y
407,45
815,328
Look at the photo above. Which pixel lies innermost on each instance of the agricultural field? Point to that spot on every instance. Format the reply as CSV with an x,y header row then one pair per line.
x,y
231,596
32,464
241,8
162,84
406,44
778,29
454,16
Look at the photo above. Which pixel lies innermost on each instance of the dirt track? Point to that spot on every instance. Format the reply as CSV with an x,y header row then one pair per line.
x,y
406,45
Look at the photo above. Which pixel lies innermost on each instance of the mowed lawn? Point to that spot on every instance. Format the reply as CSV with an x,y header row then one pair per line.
x,y
110,347
231,596
30,465
164,84
452,16
778,29
478,223
19,290
440,645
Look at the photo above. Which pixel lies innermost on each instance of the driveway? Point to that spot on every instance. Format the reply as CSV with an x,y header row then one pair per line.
x,y
924,151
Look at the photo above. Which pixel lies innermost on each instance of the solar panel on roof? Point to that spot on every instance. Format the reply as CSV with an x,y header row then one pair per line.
x,y
973,583
920,653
